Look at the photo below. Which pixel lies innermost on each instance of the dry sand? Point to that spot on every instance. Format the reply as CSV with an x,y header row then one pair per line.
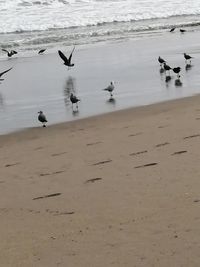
x,y
121,189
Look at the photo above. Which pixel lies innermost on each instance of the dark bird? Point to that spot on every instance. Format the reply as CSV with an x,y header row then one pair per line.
x,y
161,61
167,67
11,53
187,57
74,100
182,30
110,88
41,51
177,71
67,61
42,118
172,29
2,73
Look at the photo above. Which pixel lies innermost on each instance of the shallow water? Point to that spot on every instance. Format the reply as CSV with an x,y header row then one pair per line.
x,y
43,82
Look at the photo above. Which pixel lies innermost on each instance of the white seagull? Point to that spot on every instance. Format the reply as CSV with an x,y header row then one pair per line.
x,y
110,88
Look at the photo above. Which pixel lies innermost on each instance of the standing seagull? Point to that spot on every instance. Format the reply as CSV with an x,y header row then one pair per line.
x,y
74,100
182,30
161,61
110,88
177,71
41,51
11,53
187,57
67,61
2,73
167,68
42,118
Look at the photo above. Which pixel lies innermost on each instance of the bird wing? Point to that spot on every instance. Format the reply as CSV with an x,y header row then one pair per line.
x,y
41,51
5,50
2,73
64,58
70,57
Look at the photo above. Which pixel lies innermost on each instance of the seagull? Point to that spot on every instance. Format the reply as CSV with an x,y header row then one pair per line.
x,y
42,118
167,68
110,88
161,61
172,29
67,61
2,73
74,100
177,70
11,53
41,51
187,57
182,30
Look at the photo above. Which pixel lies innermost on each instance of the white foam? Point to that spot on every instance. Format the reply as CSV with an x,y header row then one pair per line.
x,y
32,15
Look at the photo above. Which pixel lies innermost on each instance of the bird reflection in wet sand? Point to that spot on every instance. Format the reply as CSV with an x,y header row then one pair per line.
x,y
68,89
188,67
168,79
111,100
1,100
178,83
161,70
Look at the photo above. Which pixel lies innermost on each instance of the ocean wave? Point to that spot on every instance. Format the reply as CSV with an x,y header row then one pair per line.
x,y
135,24
42,15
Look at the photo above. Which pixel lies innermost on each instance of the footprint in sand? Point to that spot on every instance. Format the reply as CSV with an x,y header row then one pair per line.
x,y
179,152
93,180
138,153
95,143
191,136
162,144
58,154
102,162
12,164
146,165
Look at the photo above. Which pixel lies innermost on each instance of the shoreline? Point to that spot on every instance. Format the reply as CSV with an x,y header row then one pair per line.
x,y
131,64
134,111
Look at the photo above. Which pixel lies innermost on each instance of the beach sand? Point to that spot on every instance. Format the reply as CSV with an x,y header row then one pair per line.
x,y
120,189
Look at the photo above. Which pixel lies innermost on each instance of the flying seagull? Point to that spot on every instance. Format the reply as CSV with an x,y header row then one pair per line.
x,y
42,118
74,100
161,61
177,71
2,73
11,53
110,88
187,57
67,61
41,51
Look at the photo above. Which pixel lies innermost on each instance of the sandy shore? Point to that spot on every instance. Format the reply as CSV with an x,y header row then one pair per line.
x,y
120,189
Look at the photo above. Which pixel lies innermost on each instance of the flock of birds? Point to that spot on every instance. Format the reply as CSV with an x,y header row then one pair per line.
x,y
164,67
67,62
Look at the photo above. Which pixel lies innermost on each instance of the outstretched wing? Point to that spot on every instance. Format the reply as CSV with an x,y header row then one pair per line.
x,y
64,58
5,50
2,73
70,57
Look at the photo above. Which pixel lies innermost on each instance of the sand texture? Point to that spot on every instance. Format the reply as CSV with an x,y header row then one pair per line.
x,y
121,189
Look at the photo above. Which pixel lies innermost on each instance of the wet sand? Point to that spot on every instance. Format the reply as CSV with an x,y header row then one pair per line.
x,y
120,189
40,82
